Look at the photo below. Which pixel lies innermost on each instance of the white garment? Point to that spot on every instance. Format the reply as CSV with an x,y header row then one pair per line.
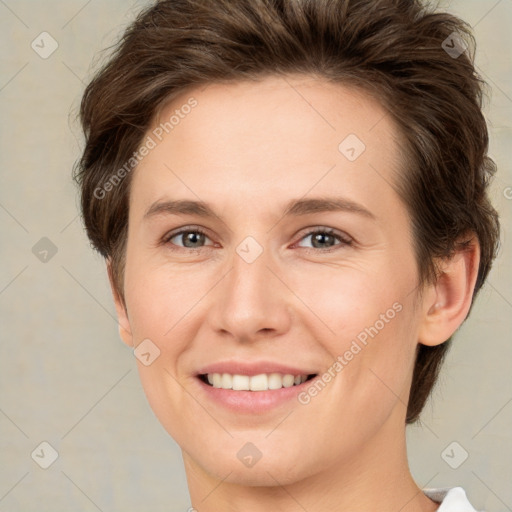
x,y
451,500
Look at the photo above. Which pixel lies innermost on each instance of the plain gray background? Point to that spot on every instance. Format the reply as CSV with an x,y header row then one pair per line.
x,y
65,376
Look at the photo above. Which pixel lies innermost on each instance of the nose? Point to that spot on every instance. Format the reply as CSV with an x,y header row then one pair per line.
x,y
251,302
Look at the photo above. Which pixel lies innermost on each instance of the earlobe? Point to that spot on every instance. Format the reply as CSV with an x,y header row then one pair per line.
x,y
447,302
122,316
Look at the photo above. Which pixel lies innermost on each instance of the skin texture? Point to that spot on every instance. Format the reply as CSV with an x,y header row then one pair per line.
x,y
248,149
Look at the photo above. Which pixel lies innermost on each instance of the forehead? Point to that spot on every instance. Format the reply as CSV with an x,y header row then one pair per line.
x,y
287,134
290,106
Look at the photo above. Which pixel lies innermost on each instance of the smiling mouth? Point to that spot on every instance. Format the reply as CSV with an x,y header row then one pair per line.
x,y
261,382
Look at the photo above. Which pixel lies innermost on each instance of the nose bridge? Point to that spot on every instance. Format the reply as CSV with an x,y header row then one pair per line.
x,y
250,299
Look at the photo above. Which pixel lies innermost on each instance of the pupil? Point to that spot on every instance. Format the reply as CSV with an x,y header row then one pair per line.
x,y
192,235
319,236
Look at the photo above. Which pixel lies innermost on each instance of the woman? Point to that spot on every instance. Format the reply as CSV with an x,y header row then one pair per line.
x,y
291,197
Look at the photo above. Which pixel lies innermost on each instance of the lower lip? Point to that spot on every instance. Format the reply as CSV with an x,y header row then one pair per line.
x,y
252,402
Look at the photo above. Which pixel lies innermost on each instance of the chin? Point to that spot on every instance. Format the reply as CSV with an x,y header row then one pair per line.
x,y
275,467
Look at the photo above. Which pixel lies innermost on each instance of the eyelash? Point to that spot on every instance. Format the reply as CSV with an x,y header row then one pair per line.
x,y
345,240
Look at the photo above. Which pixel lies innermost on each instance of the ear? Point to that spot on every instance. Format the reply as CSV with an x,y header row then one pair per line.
x,y
123,322
446,302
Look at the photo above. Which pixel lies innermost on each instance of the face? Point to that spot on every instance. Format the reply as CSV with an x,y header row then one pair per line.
x,y
300,262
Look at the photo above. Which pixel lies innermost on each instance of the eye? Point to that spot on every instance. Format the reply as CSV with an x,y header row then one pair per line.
x,y
325,238
191,238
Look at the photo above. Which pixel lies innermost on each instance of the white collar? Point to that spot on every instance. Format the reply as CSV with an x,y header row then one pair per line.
x,y
451,500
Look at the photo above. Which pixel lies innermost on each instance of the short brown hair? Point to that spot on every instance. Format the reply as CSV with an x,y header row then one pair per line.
x,y
396,50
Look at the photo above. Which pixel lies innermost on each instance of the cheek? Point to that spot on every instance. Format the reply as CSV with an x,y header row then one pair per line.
x,y
366,322
160,310
350,299
160,305
161,300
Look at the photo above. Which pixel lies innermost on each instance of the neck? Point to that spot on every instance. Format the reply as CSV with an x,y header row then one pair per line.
x,y
375,477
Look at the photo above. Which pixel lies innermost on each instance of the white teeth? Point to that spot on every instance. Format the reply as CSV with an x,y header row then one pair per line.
x,y
258,382
288,380
261,382
227,381
275,381
240,382
217,380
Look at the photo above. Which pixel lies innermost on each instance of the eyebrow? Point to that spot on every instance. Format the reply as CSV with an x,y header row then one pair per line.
x,y
294,208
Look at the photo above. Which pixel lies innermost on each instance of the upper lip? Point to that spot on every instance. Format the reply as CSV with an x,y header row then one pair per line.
x,y
252,368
